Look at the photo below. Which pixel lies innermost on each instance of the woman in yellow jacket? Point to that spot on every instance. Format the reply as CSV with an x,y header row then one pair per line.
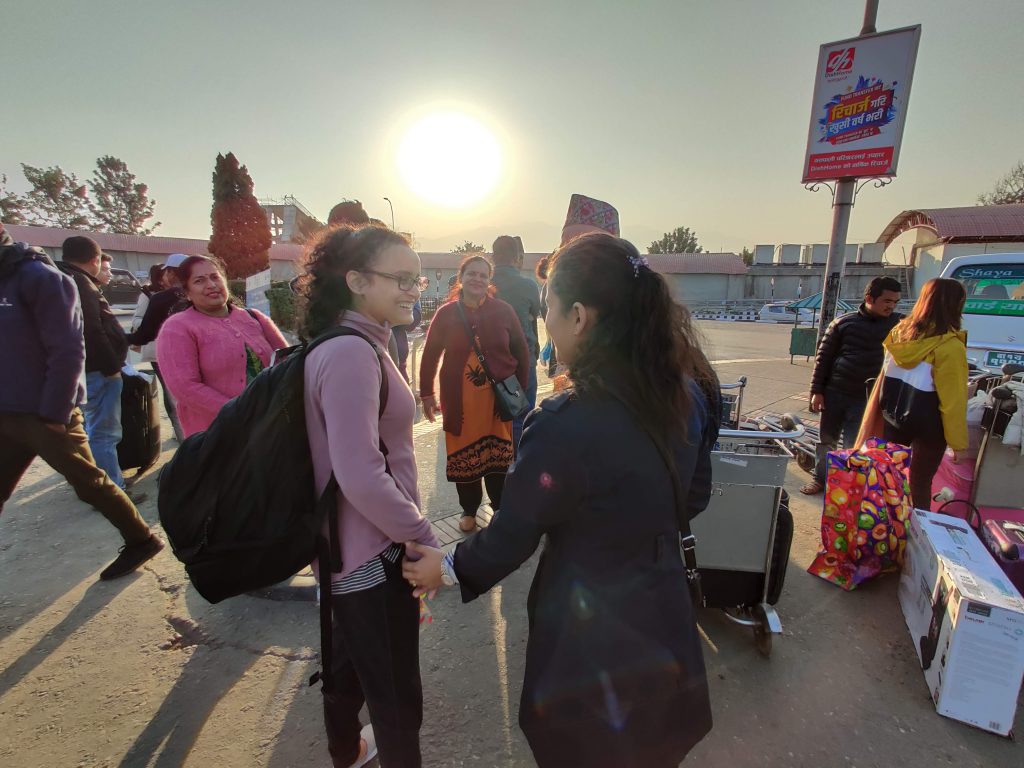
x,y
920,400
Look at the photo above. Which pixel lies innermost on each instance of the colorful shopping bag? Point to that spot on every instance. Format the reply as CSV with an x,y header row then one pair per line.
x,y
867,503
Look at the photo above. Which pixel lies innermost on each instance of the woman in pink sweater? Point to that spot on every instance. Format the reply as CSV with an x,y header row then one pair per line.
x,y
209,352
368,279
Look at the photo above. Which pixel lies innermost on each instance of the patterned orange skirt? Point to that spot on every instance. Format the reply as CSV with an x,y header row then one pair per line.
x,y
485,445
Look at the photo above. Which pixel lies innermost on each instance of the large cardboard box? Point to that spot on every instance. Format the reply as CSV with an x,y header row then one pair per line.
x,y
966,620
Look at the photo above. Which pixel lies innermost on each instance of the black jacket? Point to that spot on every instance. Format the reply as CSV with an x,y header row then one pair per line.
x,y
161,306
609,612
106,347
851,352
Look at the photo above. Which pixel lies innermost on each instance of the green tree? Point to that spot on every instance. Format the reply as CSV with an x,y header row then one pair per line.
x,y
747,255
468,247
12,206
56,198
679,240
241,232
1009,189
120,204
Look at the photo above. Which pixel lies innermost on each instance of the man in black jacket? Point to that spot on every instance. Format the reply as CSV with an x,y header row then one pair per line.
x,y
106,350
850,353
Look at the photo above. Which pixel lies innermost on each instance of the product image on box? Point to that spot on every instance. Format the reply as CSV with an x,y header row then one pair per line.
x,y
966,621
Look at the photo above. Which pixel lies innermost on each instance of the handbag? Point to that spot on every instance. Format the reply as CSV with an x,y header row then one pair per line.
x,y
509,397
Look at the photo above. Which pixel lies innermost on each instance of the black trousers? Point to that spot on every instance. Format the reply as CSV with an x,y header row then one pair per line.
x,y
375,648
471,494
925,458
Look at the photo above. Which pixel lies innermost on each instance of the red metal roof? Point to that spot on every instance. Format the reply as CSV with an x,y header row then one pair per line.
x,y
665,263
973,222
53,237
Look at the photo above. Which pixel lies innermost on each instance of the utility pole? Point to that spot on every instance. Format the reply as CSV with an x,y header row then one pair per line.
x,y
842,205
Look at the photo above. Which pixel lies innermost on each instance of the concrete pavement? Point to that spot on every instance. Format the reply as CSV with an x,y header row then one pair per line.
x,y
143,672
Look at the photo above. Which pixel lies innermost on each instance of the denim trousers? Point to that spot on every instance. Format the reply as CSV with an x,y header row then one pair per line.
x,y
531,396
103,422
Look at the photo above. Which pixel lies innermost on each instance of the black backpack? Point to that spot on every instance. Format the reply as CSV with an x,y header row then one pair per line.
x,y
238,501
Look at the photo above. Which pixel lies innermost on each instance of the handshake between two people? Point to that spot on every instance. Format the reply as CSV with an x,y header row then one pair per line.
x,y
422,568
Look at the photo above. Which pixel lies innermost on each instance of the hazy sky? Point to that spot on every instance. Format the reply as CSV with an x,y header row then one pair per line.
x,y
678,112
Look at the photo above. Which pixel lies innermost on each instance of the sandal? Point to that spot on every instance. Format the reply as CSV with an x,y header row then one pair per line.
x,y
812,488
467,523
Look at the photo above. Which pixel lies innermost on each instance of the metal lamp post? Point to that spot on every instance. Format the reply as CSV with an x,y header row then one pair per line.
x,y
392,207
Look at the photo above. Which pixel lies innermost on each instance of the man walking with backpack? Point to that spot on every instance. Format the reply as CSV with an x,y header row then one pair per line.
x,y
523,295
106,349
850,353
42,385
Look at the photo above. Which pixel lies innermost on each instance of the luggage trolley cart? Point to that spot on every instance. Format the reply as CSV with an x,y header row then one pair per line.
x,y
744,535
999,468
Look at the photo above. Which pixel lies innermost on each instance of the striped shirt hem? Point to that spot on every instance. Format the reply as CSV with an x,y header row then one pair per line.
x,y
367,576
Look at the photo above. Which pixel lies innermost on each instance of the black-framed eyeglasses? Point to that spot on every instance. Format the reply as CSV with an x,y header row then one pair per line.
x,y
405,283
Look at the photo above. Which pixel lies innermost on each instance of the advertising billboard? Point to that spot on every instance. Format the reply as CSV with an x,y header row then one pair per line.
x,y
861,90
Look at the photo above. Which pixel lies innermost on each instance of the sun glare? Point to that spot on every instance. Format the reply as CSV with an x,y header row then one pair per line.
x,y
449,159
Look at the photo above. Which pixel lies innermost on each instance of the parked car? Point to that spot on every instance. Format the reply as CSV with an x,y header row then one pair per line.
x,y
776,312
994,312
123,288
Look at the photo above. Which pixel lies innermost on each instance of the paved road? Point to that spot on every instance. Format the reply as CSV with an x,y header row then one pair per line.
x,y
142,672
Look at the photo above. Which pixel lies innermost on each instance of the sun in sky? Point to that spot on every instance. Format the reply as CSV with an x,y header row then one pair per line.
x,y
449,159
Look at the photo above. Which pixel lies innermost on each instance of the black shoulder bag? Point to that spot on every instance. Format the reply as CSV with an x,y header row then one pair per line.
x,y
509,398
687,541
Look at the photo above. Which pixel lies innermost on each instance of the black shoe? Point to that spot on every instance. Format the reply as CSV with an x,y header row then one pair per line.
x,y
131,557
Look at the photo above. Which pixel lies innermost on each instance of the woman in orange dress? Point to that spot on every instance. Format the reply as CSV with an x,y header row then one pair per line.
x,y
478,443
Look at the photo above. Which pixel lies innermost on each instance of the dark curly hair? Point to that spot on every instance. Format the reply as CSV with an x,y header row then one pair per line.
x,y
643,339
333,254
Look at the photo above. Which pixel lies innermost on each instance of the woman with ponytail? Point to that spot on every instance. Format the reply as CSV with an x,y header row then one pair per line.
x,y
614,671
367,279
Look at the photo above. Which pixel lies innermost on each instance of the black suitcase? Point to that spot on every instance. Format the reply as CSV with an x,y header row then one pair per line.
x,y
140,423
732,589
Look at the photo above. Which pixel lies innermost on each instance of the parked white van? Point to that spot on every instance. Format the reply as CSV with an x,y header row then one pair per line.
x,y
994,313
776,312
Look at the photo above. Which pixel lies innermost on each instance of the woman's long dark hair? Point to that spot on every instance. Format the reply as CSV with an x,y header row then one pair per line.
x,y
939,309
331,256
643,340
156,277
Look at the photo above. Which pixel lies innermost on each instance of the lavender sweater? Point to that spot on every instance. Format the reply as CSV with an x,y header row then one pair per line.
x,y
342,378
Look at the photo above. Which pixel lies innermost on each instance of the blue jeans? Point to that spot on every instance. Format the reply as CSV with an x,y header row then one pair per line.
x,y
103,422
531,396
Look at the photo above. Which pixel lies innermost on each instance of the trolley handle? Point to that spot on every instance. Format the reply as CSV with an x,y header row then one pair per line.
x,y
739,384
751,434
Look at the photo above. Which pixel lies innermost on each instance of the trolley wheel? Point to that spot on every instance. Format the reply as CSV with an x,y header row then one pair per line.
x,y
762,632
805,462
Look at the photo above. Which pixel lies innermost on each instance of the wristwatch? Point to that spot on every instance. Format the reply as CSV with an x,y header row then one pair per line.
x,y
448,577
